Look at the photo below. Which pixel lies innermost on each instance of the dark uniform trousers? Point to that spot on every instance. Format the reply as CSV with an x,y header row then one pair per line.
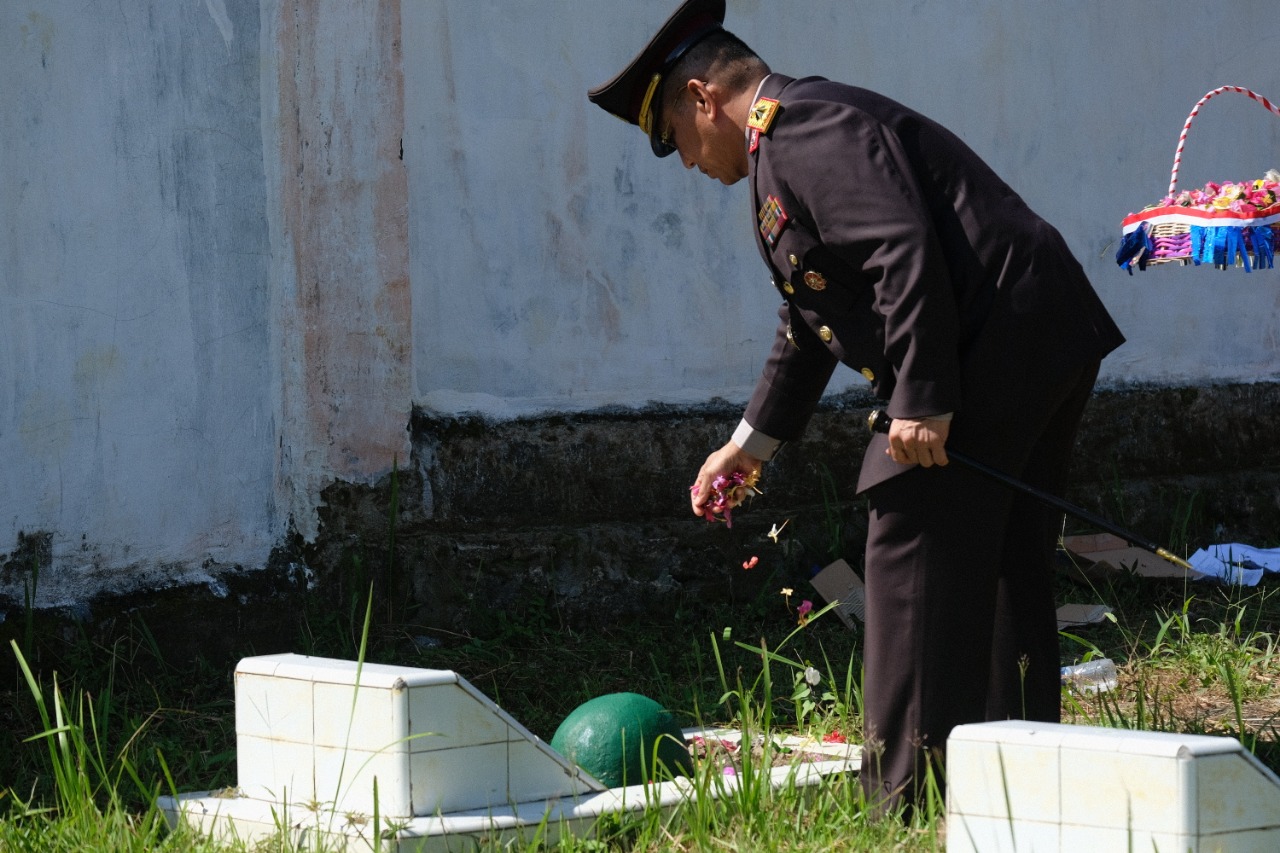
x,y
961,624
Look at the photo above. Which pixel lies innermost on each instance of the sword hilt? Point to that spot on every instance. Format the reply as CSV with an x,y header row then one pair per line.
x,y
879,421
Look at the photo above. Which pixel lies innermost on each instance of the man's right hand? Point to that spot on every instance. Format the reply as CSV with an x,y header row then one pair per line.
x,y
725,461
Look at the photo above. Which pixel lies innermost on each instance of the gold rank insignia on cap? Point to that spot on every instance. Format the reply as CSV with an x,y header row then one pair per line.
x,y
762,115
815,280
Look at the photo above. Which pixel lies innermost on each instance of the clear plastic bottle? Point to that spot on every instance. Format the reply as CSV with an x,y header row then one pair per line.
x,y
1095,676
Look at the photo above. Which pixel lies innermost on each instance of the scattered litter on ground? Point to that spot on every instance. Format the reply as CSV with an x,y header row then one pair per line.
x,y
1236,564
838,582
1070,615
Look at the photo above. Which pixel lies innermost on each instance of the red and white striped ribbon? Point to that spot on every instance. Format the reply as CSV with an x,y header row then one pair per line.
x,y
1182,139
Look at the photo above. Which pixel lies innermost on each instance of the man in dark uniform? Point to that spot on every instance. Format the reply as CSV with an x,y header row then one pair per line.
x,y
900,254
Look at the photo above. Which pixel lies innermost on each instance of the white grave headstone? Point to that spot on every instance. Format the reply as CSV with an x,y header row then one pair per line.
x,y
1023,786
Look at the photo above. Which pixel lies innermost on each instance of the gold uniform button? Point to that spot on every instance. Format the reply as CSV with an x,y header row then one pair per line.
x,y
825,334
795,262
868,374
787,288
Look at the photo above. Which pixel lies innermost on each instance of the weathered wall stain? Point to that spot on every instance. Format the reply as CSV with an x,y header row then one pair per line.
x,y
347,321
218,11
38,28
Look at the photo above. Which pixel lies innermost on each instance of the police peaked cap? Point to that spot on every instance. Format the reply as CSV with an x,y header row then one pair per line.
x,y
633,94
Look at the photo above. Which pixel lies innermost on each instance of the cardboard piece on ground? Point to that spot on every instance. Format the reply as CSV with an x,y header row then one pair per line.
x,y
1109,551
838,582
1081,614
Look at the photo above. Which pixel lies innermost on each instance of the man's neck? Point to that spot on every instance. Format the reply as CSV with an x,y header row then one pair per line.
x,y
739,106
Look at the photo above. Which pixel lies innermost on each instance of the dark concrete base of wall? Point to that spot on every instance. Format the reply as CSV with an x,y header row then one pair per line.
x,y
588,514
584,519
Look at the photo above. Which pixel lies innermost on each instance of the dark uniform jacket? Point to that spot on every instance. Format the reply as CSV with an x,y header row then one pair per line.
x,y
900,253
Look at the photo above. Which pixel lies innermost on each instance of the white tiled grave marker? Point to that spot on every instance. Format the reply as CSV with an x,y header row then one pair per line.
x,y
314,735
435,744
1021,786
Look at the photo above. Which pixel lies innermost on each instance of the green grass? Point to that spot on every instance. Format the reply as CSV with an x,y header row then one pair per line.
x,y
103,731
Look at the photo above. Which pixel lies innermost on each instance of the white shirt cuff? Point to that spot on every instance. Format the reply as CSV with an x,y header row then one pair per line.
x,y
754,442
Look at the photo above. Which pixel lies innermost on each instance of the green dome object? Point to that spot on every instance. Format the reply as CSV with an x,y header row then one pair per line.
x,y
612,738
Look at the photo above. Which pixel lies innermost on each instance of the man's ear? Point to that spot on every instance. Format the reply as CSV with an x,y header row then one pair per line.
x,y
706,97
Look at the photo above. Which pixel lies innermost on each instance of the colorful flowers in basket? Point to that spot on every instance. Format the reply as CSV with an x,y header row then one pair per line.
x,y
1248,198
1228,224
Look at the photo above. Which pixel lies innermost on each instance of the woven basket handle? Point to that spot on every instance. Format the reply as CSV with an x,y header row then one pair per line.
x,y
1182,139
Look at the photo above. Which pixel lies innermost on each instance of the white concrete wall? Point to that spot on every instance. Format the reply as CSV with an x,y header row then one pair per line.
x,y
222,288
136,416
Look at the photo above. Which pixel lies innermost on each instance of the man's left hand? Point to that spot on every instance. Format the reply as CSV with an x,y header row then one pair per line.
x,y
918,442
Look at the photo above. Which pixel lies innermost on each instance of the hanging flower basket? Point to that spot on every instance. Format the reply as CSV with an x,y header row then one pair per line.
x,y
1226,225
